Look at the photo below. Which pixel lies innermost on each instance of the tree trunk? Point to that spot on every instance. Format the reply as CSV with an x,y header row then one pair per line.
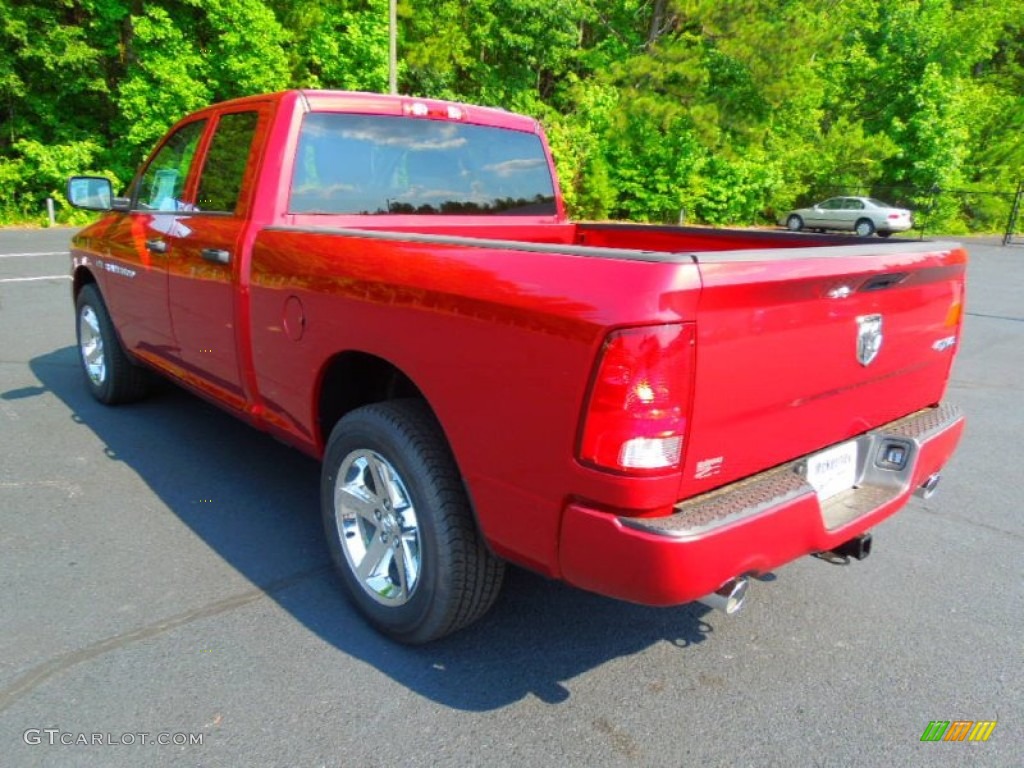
x,y
657,22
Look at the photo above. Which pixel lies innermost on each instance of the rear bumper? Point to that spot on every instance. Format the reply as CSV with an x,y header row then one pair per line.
x,y
895,226
751,526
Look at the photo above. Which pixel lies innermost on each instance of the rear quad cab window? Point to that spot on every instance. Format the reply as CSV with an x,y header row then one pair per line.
x,y
220,186
362,164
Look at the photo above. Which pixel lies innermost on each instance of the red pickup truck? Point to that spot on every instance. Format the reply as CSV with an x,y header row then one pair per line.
x,y
391,284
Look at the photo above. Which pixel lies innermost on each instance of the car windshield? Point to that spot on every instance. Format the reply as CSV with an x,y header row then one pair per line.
x,y
367,164
878,203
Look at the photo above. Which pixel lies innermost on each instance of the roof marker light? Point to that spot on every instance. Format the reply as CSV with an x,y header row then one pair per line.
x,y
442,111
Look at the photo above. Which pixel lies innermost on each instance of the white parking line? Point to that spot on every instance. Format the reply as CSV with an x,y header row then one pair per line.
x,y
31,279
30,255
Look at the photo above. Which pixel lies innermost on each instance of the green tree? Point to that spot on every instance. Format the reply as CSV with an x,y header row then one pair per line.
x,y
731,111
341,44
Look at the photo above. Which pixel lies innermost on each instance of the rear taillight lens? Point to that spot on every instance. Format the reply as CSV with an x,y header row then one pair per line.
x,y
638,408
954,316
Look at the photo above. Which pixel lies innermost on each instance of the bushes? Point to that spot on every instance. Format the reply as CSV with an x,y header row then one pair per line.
x,y
34,171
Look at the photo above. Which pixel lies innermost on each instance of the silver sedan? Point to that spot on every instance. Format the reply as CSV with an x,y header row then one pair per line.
x,y
863,215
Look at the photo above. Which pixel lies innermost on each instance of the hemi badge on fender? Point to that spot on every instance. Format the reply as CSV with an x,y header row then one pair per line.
x,y
117,269
943,344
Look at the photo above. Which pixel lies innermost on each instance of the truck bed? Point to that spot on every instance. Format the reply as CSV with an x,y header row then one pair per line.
x,y
627,241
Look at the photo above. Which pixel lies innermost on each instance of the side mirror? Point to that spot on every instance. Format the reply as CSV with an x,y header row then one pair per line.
x,y
94,193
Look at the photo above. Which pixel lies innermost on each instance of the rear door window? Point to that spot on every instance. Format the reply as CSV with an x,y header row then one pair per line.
x,y
367,164
220,185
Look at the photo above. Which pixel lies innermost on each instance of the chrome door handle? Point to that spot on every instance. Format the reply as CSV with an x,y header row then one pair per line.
x,y
156,246
216,255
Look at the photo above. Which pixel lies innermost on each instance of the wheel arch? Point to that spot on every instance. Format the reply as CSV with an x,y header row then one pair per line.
x,y
352,379
82,277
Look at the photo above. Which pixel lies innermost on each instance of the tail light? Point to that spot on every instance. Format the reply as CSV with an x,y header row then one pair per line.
x,y
639,403
955,313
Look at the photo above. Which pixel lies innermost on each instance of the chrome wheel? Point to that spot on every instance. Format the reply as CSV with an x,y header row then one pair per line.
x,y
110,374
90,344
377,526
399,524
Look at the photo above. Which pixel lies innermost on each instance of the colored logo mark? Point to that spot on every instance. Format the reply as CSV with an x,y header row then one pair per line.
x,y
958,730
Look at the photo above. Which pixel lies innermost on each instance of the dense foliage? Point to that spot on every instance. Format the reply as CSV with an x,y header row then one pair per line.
x,y
729,111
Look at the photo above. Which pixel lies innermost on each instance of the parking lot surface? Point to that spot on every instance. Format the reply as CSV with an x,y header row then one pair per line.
x,y
163,582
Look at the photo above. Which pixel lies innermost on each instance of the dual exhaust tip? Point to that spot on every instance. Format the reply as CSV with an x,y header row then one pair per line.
x,y
927,489
730,596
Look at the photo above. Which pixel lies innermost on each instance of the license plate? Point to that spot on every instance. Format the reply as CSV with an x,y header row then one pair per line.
x,y
833,470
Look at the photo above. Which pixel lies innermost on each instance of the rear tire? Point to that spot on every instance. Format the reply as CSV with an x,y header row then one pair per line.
x,y
794,223
400,527
110,375
864,228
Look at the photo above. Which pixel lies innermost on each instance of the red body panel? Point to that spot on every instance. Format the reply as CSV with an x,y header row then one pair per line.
x,y
498,322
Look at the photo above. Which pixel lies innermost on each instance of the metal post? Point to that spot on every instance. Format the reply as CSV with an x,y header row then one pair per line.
x,y
393,47
1011,223
50,212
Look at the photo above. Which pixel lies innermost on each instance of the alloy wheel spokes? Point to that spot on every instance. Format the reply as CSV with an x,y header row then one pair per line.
x,y
378,527
91,346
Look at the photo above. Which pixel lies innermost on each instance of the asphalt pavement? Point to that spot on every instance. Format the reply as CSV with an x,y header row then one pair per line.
x,y
163,578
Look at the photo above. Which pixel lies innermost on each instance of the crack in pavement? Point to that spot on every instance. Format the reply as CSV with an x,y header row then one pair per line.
x,y
996,317
970,522
967,384
42,672
71,489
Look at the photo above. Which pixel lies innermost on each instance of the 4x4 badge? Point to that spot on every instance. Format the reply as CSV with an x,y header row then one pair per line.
x,y
869,338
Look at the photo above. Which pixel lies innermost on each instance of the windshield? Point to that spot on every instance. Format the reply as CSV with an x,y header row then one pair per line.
x,y
364,164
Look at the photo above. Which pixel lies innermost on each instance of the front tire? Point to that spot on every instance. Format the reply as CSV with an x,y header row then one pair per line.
x,y
399,524
794,223
110,375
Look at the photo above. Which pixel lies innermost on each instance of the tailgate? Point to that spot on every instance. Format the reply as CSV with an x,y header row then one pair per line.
x,y
803,348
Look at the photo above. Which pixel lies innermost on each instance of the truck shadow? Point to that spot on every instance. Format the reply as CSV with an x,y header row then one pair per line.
x,y
254,502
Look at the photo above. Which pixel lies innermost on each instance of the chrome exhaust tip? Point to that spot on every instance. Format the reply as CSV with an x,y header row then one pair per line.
x,y
729,597
927,489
